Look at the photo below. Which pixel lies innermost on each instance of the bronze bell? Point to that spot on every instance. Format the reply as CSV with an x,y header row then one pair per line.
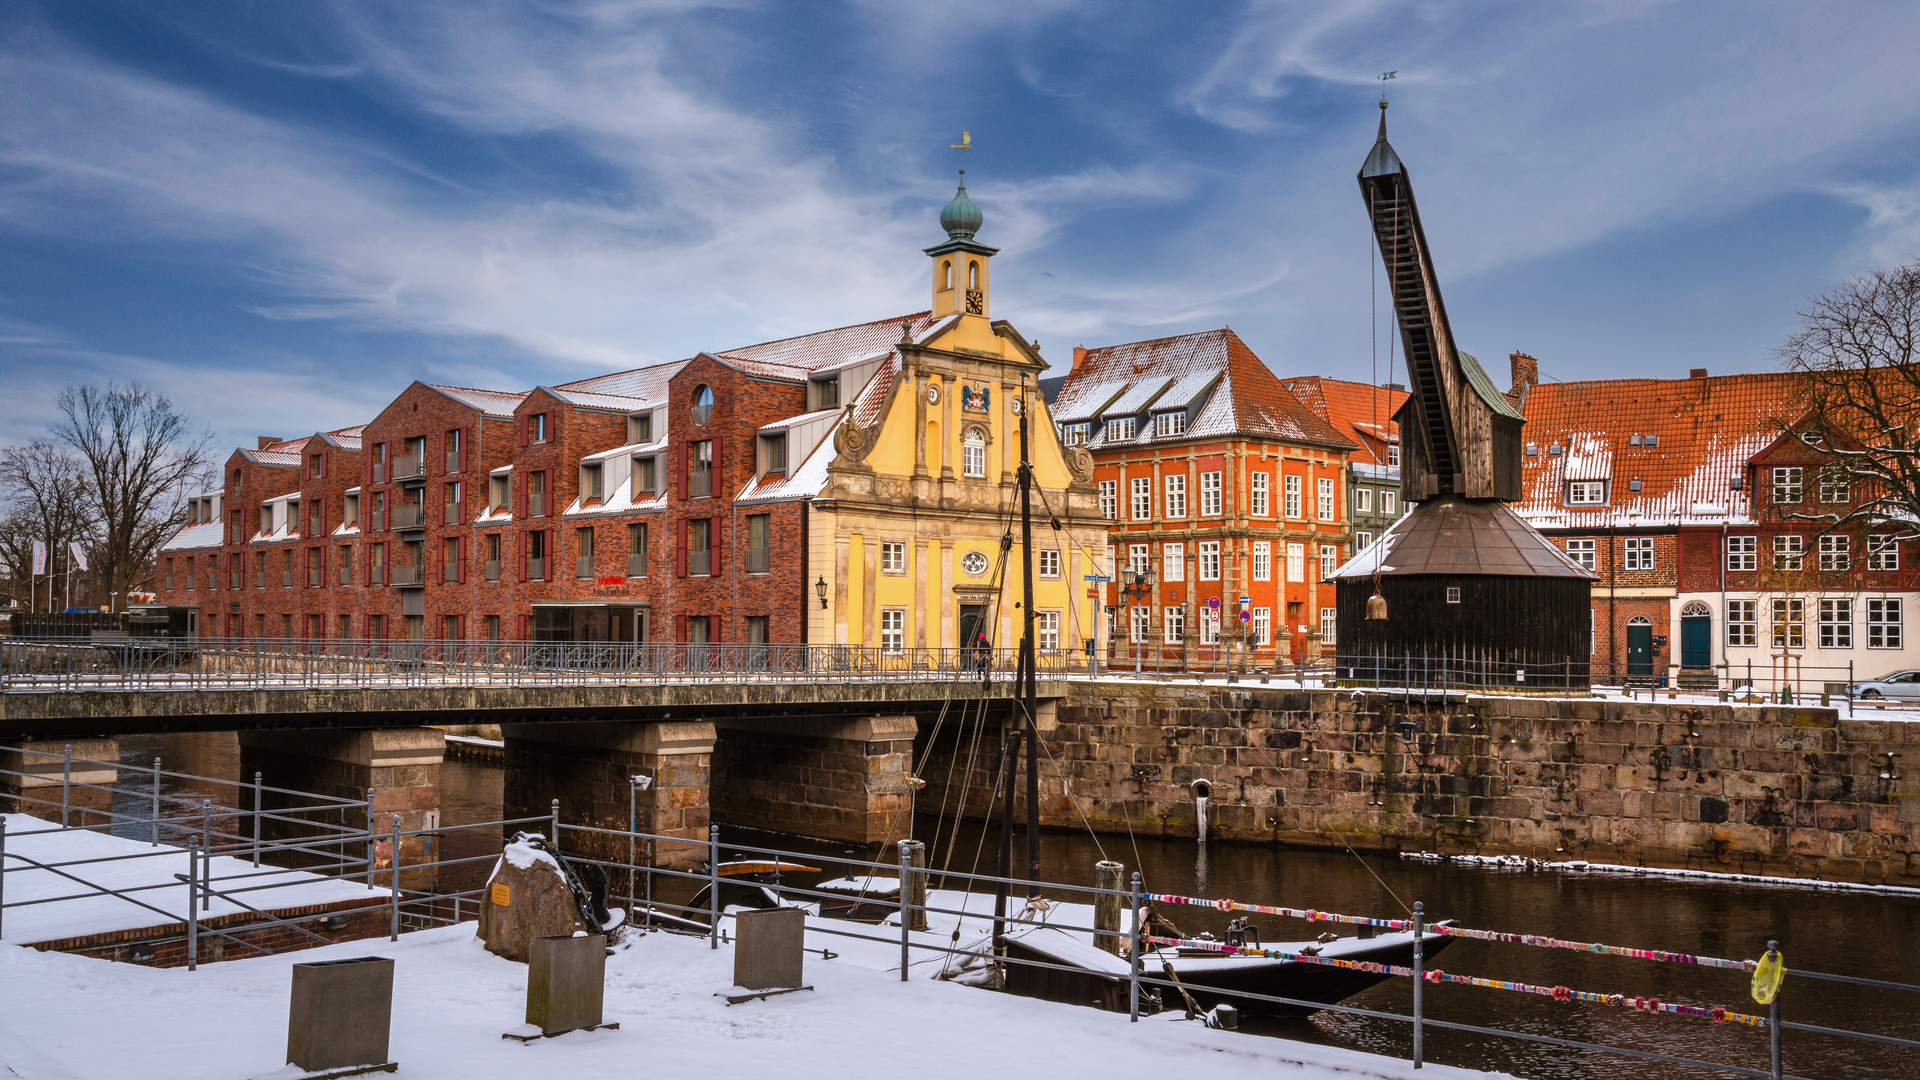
x,y
1377,606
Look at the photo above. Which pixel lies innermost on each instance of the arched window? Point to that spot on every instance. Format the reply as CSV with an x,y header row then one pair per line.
x,y
1639,620
1695,610
973,453
973,275
946,274
702,404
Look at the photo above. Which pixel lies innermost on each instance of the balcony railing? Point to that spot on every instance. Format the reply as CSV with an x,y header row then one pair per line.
x,y
451,571
346,575
405,575
759,560
699,563
407,466
259,579
636,564
536,569
493,569
233,580
408,516
314,577
537,504
286,577
700,484
583,567
453,461
453,514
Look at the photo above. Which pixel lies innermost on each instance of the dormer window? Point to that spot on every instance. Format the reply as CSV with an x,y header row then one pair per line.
x,y
640,429
1586,492
1393,455
1075,434
644,472
826,393
537,427
351,512
1533,449
499,490
1169,423
592,482
1120,429
316,466
773,452
1554,450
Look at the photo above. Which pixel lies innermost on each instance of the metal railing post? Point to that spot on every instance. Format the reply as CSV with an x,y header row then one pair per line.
x,y
1419,1027
713,886
369,839
256,819
193,918
1133,956
66,778
1773,1021
156,802
3,867
206,845
906,909
393,931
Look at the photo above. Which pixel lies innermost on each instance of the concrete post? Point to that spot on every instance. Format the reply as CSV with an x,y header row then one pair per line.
x,y
340,1014
768,951
1111,875
566,982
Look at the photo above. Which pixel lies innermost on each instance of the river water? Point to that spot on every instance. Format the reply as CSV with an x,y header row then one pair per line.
x,y
1861,934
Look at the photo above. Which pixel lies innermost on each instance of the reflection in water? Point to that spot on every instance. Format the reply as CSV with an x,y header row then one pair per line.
x,y
1861,934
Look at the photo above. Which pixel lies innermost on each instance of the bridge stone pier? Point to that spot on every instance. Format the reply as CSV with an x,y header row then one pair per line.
x,y
590,768
838,779
45,766
400,765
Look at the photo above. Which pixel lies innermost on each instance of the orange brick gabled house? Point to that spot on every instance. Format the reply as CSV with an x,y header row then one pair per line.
x,y
1223,485
1362,414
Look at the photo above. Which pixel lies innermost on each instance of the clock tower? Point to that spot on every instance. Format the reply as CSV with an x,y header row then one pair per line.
x,y
960,264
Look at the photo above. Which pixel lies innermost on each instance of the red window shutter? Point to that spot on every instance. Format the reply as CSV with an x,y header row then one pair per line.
x,y
525,547
440,571
525,425
522,635
553,426
715,531
680,467
680,550
520,497
679,628
718,485
466,437
460,558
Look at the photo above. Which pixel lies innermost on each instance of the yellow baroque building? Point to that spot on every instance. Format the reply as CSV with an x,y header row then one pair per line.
x,y
914,528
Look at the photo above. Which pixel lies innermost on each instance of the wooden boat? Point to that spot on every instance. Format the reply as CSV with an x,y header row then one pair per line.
x,y
1211,978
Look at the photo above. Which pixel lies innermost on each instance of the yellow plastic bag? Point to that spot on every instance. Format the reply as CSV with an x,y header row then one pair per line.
x,y
1767,976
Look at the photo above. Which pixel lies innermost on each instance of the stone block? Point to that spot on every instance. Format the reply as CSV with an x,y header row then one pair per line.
x,y
566,982
340,1013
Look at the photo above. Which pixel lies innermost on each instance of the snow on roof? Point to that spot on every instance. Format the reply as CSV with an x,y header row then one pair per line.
x,y
204,535
797,357
802,481
795,421
1088,401
496,403
1360,411
1705,432
649,383
653,447
588,399
1249,400
279,458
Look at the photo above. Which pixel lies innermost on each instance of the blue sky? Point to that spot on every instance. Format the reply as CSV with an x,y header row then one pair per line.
x,y
281,212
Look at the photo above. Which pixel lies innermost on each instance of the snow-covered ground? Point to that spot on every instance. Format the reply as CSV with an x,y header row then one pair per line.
x,y
65,1017
132,865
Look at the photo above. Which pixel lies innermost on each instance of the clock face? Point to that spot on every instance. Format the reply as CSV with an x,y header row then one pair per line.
x,y
933,394
976,302
974,563
1014,404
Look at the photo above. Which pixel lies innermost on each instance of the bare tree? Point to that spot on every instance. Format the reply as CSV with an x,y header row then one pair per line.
x,y
140,459
47,499
1857,348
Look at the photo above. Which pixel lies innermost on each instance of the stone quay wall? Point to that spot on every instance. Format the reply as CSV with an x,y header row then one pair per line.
x,y
1780,791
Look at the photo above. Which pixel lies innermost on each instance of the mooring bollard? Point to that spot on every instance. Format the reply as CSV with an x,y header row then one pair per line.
x,y
713,886
1133,965
1419,1027
916,885
1109,876
554,828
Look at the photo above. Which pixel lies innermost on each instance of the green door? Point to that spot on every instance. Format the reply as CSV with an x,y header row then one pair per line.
x,y
1640,648
1696,641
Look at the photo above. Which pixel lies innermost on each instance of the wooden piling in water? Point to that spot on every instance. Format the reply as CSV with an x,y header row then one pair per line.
x,y
1107,908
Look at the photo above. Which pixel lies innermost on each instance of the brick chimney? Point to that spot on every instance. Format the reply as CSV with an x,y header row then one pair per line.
x,y
1697,373
1526,370
1079,357
266,441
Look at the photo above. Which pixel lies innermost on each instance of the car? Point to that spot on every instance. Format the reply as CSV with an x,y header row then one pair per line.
x,y
1900,684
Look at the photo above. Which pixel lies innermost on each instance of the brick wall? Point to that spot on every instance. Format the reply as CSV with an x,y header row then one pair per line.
x,y
365,919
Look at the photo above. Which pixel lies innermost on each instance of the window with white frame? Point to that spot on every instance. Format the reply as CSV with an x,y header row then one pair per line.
x,y
1142,498
1142,623
1209,626
1176,486
1586,492
1789,552
1329,560
1112,565
1743,553
1047,631
1883,624
1835,485
1262,626
1836,553
1324,504
1110,499
1883,552
973,453
1258,486
1389,500
893,557
1121,429
1329,617
1583,552
1290,487
1363,500
1790,624
1075,434
1049,562
1393,455
1209,560
1209,494
1113,624
1362,541
1263,560
1169,423
1139,558
1789,484
1296,562
1836,624
1173,562
1173,624
1743,622
893,630
1639,553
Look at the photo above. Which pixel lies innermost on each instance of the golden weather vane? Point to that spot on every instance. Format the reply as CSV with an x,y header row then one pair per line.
x,y
965,144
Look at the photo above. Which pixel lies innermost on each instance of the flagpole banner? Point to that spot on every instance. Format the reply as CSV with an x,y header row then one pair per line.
x,y
39,557
79,556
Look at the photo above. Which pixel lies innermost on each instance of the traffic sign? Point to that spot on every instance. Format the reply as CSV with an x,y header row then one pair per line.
x,y
1095,577
1246,616
1213,602
1246,600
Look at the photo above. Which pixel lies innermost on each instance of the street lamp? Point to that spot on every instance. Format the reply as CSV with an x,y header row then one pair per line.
x,y
820,588
1139,586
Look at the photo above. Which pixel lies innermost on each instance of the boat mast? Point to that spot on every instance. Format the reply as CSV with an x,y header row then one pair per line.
x,y
1028,689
